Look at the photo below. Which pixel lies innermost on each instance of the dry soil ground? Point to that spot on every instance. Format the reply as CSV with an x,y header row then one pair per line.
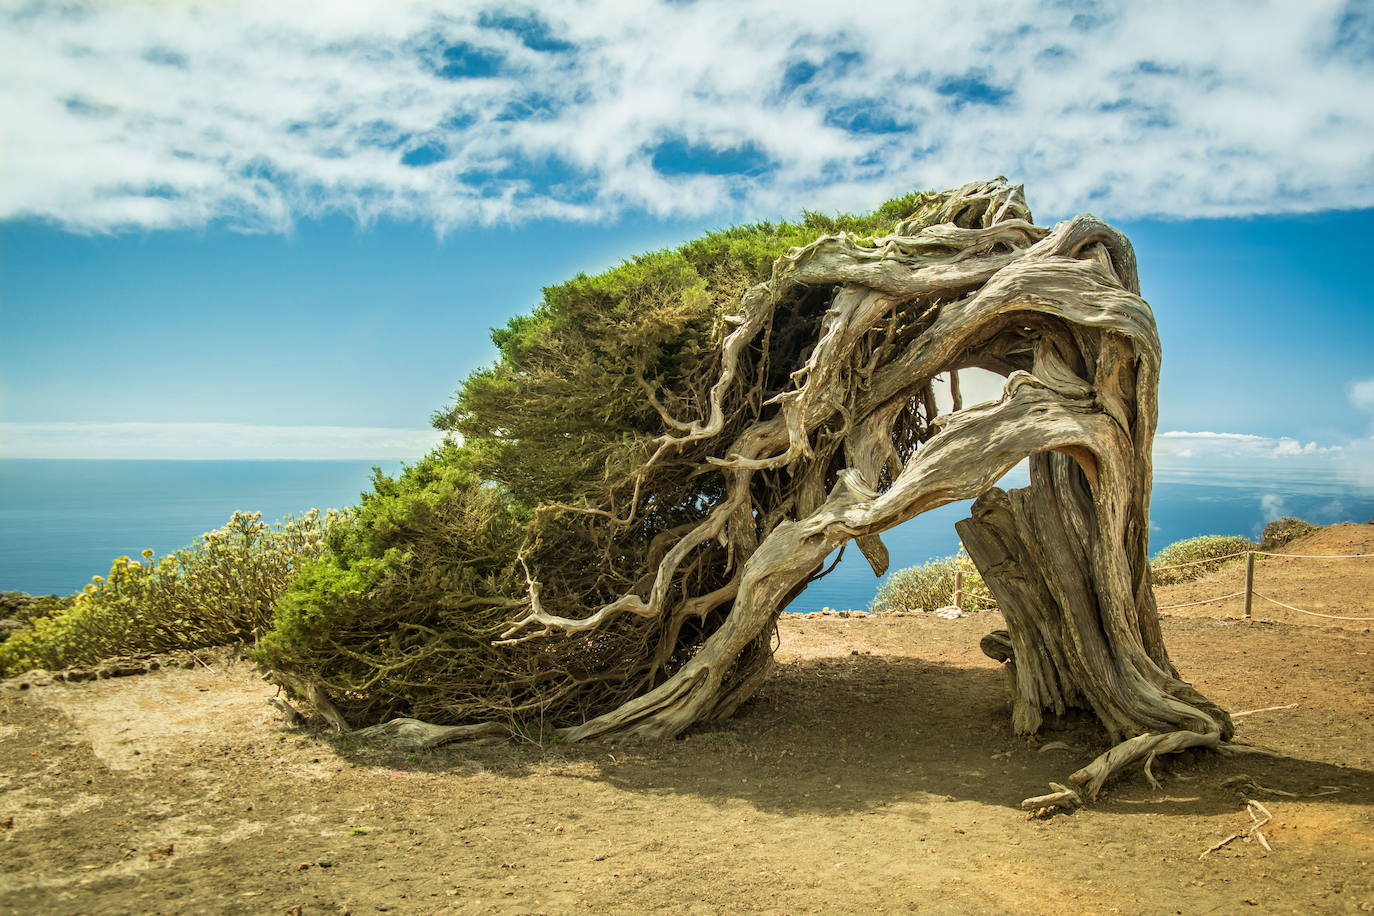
x,y
875,773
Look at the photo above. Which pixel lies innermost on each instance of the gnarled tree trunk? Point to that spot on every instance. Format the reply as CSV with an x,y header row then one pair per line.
x,y
852,444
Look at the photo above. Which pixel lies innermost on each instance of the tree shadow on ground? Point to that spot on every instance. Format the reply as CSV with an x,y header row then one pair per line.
x,y
862,732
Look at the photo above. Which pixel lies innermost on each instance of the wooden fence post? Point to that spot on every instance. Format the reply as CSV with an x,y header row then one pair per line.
x,y
959,588
1249,581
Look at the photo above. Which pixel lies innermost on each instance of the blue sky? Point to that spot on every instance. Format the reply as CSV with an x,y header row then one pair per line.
x,y
248,229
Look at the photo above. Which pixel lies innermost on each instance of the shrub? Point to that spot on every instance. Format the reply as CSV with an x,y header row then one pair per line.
x,y
1283,530
398,614
398,618
19,608
1216,548
930,586
217,592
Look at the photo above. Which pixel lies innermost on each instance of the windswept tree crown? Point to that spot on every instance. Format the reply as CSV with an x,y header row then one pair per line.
x,y
665,454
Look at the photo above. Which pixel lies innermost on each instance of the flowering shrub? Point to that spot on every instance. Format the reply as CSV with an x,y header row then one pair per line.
x,y
1209,552
219,591
931,585
18,608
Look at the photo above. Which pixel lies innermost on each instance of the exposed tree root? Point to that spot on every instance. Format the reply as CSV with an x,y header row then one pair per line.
x,y
414,735
1088,782
293,715
406,734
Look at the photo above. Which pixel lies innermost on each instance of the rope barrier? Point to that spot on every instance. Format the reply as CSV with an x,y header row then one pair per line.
x,y
1312,613
1228,556
1265,553
1170,607
1316,556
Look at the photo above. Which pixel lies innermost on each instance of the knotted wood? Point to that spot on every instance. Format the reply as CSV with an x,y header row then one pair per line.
x,y
774,470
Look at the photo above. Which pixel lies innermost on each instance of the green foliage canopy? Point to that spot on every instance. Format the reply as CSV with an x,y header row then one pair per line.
x,y
399,615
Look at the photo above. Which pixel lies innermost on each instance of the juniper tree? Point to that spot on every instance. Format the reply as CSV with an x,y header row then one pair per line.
x,y
664,455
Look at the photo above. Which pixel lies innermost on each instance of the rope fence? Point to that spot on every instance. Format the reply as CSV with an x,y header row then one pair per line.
x,y
1227,556
1248,592
1313,613
1316,556
1170,607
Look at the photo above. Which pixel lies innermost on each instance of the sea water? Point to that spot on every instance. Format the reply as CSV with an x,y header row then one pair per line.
x,y
62,522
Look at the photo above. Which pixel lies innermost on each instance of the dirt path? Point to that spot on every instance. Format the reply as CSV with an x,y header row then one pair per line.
x,y
875,773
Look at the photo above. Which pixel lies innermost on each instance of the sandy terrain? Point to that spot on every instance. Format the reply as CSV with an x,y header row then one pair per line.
x,y
875,773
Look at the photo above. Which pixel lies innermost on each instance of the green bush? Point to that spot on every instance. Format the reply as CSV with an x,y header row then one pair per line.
x,y
399,616
19,608
1283,530
1216,548
931,585
564,409
217,592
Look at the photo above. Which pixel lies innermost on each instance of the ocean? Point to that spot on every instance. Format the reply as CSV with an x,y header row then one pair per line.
x,y
62,522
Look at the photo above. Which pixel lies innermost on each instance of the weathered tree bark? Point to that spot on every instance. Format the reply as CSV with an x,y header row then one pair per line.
x,y
1080,616
853,445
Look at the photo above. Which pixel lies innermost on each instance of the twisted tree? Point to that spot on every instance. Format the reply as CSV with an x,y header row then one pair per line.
x,y
665,456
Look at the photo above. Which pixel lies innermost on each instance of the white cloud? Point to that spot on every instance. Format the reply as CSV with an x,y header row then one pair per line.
x,y
975,387
1361,394
258,113
1358,460
1351,461
1359,457
1208,447
1220,437
211,441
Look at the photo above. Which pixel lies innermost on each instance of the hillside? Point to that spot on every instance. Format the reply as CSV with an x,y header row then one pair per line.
x,y
1343,588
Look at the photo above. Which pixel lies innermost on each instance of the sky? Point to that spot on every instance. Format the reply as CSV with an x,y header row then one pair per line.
x,y
252,229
